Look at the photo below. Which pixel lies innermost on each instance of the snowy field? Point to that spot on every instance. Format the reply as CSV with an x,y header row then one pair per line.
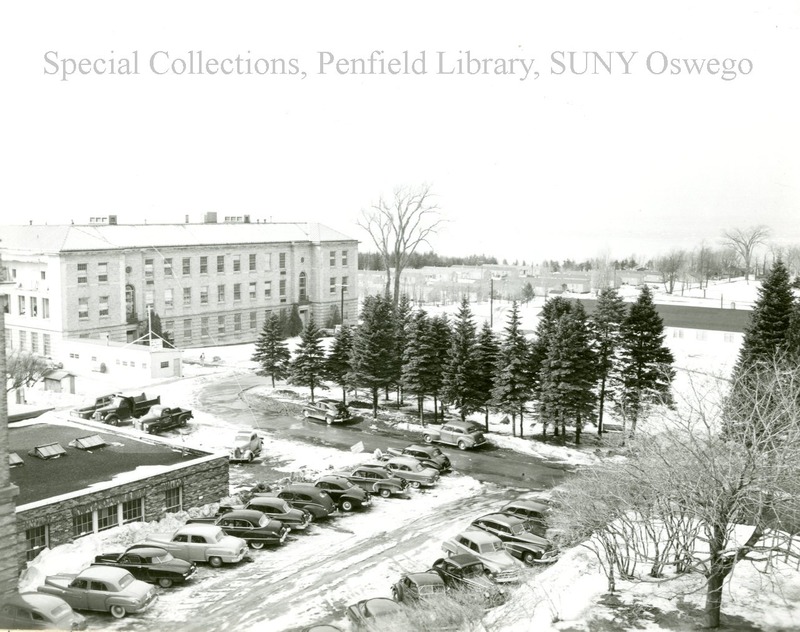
x,y
564,596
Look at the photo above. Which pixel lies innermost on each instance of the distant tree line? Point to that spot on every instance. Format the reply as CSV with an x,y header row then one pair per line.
x,y
374,261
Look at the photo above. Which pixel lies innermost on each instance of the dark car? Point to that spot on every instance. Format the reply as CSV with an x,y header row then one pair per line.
x,y
533,512
467,572
278,509
427,455
253,526
415,586
464,434
344,493
150,564
519,541
305,496
369,614
377,481
328,410
35,611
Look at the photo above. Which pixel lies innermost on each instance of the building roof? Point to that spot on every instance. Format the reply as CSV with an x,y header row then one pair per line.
x,y
40,479
80,238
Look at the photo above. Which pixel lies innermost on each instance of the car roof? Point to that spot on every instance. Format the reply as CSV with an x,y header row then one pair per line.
x,y
408,460
272,501
301,487
244,514
471,425
527,504
334,478
38,600
103,573
428,578
145,550
479,536
421,448
463,559
378,606
502,518
200,529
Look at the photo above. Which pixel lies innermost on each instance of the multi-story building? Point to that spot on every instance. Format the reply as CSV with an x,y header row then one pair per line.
x,y
209,283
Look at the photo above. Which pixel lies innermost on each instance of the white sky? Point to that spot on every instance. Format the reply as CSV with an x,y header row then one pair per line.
x,y
549,168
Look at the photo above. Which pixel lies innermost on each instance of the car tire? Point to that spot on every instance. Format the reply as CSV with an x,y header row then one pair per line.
x,y
346,505
118,612
462,445
250,457
113,421
215,561
311,517
255,544
414,484
164,582
528,557
183,420
428,438
385,493
306,414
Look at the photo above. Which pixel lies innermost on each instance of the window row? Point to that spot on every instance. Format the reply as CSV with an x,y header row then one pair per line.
x,y
29,305
219,263
83,307
28,341
332,258
101,273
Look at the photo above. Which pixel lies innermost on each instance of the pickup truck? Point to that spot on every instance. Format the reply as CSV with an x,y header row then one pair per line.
x,y
202,543
86,412
123,407
162,418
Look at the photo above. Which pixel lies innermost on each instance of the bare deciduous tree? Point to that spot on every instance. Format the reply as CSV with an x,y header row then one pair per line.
x,y
744,242
670,266
25,369
398,227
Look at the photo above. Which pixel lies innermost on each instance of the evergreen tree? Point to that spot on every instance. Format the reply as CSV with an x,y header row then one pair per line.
x,y
283,324
512,384
402,319
271,352
568,372
373,347
645,363
770,333
337,364
486,352
605,324
440,342
417,359
308,365
295,326
528,293
462,379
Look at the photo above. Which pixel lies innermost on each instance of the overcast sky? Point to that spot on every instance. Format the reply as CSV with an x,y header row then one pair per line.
x,y
562,165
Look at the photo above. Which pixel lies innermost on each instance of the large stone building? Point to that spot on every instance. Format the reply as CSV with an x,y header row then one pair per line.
x,y
210,283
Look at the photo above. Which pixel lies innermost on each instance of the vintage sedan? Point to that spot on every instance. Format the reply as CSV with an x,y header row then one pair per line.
x,y
519,541
427,455
415,586
247,445
305,496
103,588
35,611
331,411
377,481
202,543
254,527
533,512
150,564
370,614
278,509
499,564
463,434
410,470
344,493
467,572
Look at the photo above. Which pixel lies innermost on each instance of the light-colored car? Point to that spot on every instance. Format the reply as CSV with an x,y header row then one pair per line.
x,y
427,455
37,611
412,471
463,434
518,539
102,588
331,411
202,543
247,445
489,549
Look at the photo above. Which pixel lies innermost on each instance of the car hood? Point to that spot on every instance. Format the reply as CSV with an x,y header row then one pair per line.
x,y
498,560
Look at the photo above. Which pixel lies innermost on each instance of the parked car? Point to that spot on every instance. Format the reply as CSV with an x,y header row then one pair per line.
x,y
117,408
321,627
305,496
252,526
415,586
467,572
202,543
102,588
427,455
150,564
37,611
278,509
464,434
499,564
377,481
160,418
410,470
247,445
369,614
534,513
345,494
328,410
519,541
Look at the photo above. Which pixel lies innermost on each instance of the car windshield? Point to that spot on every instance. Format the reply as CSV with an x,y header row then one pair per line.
x,y
263,522
490,547
473,570
430,589
219,535
242,436
517,529
60,610
284,506
436,452
164,557
125,580
415,467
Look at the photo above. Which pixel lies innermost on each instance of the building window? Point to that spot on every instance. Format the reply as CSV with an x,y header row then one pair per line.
x,y
174,499
267,289
282,289
83,276
237,291
282,260
187,329
221,325
83,308
169,327
108,517
345,283
302,287
220,294
237,263
253,320
186,266
21,305
148,270
333,285
220,263
43,275
252,262
204,326
237,322
268,261
169,300
102,273
35,341
252,292
203,265
103,307
344,257
332,258
82,524
34,306
204,295
45,308
165,364
149,297
35,541
46,344
133,510
168,267
187,296
23,339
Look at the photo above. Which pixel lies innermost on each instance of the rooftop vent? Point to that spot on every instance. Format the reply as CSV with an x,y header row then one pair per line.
x,y
14,459
87,443
48,451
